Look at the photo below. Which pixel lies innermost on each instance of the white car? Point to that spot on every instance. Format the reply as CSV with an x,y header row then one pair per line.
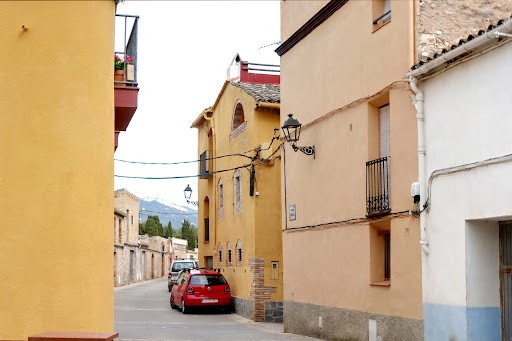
x,y
176,267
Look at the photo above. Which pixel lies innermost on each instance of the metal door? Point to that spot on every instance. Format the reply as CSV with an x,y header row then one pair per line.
x,y
209,262
506,279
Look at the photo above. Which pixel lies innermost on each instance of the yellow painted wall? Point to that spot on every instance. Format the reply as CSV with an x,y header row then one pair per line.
x,y
259,223
352,62
56,174
206,189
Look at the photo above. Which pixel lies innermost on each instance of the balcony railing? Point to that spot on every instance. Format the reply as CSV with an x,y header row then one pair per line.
x,y
378,187
205,165
126,46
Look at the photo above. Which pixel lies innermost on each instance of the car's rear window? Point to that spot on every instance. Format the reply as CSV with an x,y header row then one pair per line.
x,y
182,265
210,280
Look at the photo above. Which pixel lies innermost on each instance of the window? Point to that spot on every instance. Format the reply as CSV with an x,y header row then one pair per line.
x,y
380,254
238,116
219,250
209,280
132,219
237,191
220,190
120,226
381,11
207,230
239,125
228,258
239,252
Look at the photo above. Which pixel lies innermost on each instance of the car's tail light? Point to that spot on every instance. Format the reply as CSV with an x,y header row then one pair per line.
x,y
190,290
227,289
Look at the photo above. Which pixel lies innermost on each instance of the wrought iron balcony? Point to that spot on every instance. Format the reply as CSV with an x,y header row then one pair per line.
x,y
127,31
378,187
125,83
205,165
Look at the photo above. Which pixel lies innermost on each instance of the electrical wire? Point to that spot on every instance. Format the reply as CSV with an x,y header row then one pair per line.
x,y
347,221
461,168
148,211
212,172
176,177
181,162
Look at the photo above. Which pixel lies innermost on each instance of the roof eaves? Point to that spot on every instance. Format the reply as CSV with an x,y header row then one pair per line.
x,y
484,39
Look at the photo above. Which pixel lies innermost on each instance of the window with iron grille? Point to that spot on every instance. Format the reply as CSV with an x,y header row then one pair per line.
x,y
207,229
228,258
239,252
219,251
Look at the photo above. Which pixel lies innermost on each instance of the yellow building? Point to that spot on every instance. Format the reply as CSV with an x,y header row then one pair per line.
x,y
239,200
351,248
56,173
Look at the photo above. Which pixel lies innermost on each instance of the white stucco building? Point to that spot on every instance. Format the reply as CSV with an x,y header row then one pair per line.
x,y
465,95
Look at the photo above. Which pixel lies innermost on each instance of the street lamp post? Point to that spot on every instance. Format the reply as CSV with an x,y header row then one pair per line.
x,y
291,130
188,194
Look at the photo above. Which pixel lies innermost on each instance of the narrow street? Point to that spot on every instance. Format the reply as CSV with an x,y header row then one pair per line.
x,y
142,312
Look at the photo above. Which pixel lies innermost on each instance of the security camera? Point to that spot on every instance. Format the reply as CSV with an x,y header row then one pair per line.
x,y
415,192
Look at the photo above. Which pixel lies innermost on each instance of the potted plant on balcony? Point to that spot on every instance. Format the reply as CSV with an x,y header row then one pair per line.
x,y
118,68
130,68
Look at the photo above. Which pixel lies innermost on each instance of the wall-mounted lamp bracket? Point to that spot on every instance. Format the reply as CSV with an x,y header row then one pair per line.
x,y
308,150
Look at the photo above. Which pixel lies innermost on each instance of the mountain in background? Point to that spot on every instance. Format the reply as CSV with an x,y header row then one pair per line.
x,y
167,212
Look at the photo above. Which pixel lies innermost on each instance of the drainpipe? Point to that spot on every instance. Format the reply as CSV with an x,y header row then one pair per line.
x,y
420,117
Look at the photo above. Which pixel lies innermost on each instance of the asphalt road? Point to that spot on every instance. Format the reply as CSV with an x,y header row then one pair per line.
x,y
142,312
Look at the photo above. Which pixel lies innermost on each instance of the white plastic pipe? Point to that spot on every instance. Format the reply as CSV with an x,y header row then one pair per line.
x,y
420,118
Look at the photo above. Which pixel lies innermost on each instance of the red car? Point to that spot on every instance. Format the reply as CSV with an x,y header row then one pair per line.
x,y
200,288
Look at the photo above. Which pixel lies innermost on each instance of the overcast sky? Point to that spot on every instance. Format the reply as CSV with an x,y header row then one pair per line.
x,y
184,50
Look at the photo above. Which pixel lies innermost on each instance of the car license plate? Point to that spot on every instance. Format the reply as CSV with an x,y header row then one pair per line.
x,y
174,277
210,300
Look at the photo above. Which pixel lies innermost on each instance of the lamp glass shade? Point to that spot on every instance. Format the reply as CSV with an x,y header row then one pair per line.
x,y
291,129
188,192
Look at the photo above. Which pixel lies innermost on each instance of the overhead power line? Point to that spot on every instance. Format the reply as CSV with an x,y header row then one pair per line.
x,y
148,211
213,172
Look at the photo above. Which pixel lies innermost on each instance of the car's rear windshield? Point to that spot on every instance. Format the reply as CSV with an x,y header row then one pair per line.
x,y
182,265
210,280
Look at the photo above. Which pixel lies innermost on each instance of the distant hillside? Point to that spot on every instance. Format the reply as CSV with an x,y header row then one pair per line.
x,y
166,212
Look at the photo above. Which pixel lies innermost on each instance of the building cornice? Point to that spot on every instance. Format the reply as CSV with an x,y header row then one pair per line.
x,y
310,25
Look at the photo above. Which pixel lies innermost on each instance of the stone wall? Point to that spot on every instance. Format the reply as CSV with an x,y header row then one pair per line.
x,y
136,258
242,307
260,294
345,324
154,265
442,23
128,204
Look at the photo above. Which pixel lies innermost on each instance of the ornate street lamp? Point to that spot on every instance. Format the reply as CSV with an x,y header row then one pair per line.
x,y
291,130
188,194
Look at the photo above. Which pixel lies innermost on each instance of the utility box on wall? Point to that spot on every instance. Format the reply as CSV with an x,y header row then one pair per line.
x,y
274,270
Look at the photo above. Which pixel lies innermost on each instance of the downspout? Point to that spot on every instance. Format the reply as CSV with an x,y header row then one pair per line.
x,y
420,118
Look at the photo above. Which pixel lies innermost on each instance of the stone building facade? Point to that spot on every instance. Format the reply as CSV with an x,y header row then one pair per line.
x,y
179,248
136,258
